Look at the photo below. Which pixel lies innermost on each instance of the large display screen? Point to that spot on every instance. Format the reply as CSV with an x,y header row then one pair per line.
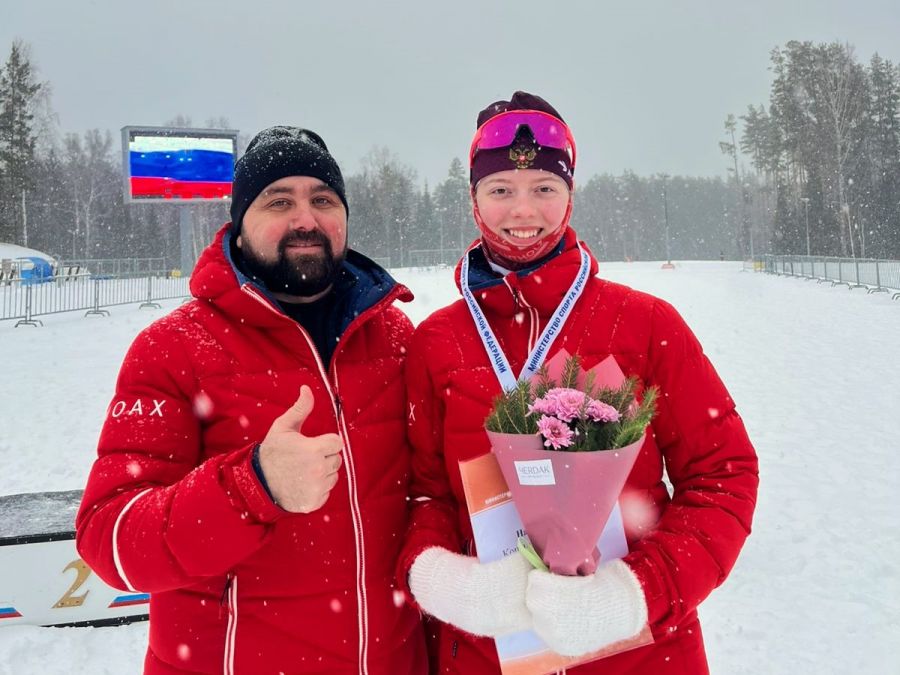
x,y
183,164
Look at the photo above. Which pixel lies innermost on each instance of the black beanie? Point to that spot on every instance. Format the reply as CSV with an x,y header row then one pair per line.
x,y
278,152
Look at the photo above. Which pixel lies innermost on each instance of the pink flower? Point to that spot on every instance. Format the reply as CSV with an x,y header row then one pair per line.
x,y
543,406
569,403
599,411
556,433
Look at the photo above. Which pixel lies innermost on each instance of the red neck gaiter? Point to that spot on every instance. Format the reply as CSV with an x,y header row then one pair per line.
x,y
512,257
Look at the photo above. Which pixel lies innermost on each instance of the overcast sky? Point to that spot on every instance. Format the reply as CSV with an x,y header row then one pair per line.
x,y
644,85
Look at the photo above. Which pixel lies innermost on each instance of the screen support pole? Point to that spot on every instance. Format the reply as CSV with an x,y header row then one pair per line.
x,y
186,226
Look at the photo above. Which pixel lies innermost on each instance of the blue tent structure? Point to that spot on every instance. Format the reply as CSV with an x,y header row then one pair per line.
x,y
27,264
40,271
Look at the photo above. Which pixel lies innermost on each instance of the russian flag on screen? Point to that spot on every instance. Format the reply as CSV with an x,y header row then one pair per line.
x,y
7,612
133,599
180,167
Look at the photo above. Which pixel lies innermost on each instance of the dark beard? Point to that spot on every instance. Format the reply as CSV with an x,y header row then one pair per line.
x,y
305,275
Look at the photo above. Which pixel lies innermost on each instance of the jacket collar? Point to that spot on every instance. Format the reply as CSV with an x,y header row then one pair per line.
x,y
219,280
541,286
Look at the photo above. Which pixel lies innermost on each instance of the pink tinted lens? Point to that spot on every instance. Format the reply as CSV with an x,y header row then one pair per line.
x,y
500,131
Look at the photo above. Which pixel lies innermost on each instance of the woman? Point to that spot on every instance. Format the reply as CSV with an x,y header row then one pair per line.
x,y
680,547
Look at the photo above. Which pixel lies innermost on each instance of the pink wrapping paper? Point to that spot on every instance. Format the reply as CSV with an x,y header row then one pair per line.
x,y
563,498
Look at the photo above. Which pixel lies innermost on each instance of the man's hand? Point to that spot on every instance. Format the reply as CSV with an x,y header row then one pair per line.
x,y
300,470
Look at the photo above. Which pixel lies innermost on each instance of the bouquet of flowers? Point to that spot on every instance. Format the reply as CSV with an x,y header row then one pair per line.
x,y
565,443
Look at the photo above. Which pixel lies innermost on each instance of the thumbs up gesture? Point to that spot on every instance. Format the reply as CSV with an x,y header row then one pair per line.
x,y
300,470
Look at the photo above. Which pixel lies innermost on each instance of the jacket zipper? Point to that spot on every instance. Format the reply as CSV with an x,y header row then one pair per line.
x,y
228,601
223,600
358,534
533,319
356,516
350,465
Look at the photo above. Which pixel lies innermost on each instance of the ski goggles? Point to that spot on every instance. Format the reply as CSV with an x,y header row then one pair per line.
x,y
501,130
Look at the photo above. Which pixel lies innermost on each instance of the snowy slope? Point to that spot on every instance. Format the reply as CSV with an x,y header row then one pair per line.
x,y
812,368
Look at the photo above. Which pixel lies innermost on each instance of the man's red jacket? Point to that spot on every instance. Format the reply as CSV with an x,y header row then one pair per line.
x,y
174,507
682,545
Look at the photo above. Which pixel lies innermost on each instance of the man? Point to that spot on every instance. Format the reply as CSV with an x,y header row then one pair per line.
x,y
252,468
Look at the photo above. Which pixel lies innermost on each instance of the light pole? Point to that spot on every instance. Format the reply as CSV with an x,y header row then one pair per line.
x,y
668,265
805,201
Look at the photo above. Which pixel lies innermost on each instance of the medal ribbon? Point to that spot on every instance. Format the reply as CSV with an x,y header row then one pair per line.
x,y
554,327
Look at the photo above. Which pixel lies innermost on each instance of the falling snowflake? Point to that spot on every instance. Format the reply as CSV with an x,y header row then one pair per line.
x,y
203,405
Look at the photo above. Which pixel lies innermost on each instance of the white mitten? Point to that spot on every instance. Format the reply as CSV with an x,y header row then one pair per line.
x,y
577,615
481,599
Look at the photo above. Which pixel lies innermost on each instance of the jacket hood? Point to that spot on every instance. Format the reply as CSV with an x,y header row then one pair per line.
x,y
218,279
541,286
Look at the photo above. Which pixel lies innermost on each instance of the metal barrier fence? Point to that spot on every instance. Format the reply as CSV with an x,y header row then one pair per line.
x,y
25,299
876,276
434,257
15,268
115,266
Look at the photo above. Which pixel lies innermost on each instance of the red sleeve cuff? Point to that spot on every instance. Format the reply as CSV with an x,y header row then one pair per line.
x,y
253,493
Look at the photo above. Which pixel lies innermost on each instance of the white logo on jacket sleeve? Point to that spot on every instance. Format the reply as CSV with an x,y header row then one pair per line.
x,y
143,407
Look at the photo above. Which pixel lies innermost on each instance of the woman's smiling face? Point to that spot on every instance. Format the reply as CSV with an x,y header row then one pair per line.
x,y
522,206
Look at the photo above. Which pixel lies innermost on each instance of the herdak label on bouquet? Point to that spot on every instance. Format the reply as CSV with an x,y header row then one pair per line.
x,y
535,472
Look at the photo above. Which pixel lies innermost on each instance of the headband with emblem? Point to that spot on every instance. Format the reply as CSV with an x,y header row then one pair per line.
x,y
524,153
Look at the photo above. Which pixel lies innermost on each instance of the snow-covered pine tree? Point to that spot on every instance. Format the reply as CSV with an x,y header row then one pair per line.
x,y
453,213
883,145
18,89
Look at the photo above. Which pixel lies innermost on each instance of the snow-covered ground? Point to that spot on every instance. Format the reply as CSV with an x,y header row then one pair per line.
x,y
814,371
